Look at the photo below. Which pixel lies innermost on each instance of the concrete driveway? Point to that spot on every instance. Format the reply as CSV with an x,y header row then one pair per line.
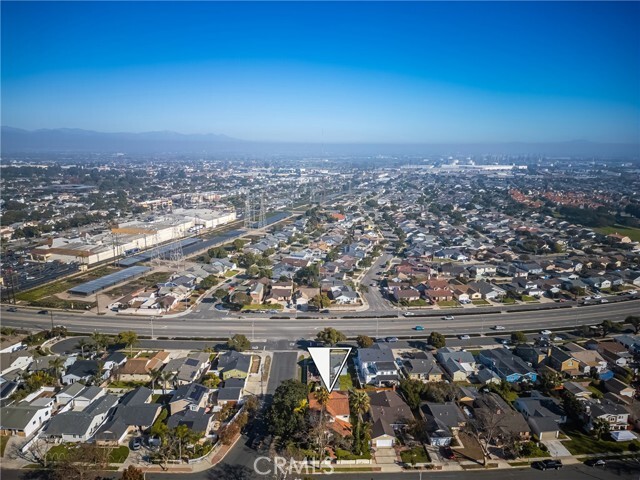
x,y
556,448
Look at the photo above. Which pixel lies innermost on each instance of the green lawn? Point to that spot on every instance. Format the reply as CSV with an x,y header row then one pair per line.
x,y
231,273
346,383
259,306
4,439
583,444
632,233
121,384
527,298
418,453
480,302
448,303
58,452
508,300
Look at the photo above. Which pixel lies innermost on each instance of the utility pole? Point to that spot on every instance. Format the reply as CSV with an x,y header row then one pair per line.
x,y
51,315
253,337
152,336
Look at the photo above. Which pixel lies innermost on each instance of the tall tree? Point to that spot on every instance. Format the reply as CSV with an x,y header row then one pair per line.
x,y
239,343
129,338
330,336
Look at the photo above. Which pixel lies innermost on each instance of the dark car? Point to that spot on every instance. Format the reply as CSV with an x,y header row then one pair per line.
x,y
447,453
547,465
326,310
43,312
136,443
12,309
596,462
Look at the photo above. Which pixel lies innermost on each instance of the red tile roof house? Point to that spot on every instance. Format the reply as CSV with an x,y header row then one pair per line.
x,y
337,408
439,295
409,295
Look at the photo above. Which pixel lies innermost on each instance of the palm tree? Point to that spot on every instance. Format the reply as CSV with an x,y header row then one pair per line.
x,y
56,365
165,377
129,338
81,344
155,376
322,396
100,341
358,402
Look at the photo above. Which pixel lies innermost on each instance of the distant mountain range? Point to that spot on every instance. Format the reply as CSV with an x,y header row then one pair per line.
x,y
16,140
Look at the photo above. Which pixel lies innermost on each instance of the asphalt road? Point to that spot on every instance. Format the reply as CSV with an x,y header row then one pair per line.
x,y
238,465
283,367
373,296
297,328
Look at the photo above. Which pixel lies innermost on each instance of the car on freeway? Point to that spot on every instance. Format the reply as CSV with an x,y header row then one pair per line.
x,y
547,465
409,314
448,317
326,310
391,339
557,339
596,462
255,347
43,312
418,328
604,300
546,332
586,298
464,337
498,327
12,309
505,341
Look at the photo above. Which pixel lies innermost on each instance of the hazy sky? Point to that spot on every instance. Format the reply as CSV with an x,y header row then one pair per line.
x,y
383,72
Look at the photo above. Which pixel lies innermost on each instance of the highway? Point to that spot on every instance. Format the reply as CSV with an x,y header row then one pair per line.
x,y
293,328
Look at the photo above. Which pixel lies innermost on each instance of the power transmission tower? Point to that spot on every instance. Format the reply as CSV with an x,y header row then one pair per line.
x,y
262,219
248,211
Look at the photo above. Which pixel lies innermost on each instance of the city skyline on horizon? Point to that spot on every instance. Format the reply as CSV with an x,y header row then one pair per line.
x,y
327,73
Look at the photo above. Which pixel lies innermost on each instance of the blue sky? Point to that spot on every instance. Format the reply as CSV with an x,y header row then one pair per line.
x,y
334,72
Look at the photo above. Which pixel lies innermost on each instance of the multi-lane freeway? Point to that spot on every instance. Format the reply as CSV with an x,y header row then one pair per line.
x,y
293,328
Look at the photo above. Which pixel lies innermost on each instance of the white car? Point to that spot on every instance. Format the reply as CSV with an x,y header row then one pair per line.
x,y
409,314
546,332
604,300
448,317
464,337
498,327
597,297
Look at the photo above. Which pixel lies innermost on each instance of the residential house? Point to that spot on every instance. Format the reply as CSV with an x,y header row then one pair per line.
x,y
68,393
587,359
336,409
87,396
189,369
25,418
423,368
388,413
11,343
614,413
508,366
232,364
115,360
531,354
442,422
376,365
543,414
191,396
458,364
617,387
614,353
83,370
510,423
134,413
80,425
630,342
577,389
197,420
17,360
563,362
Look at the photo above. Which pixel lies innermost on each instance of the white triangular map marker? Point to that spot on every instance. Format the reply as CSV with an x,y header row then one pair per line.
x,y
326,360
